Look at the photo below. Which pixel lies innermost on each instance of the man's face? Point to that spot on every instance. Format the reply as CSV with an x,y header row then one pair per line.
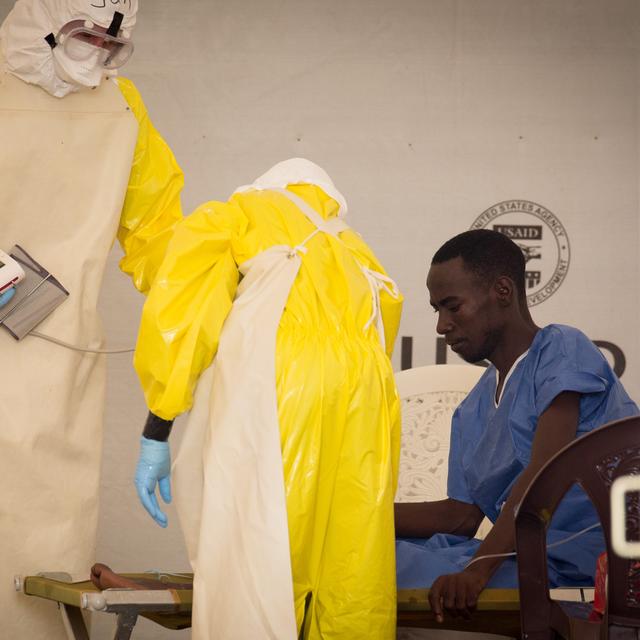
x,y
469,317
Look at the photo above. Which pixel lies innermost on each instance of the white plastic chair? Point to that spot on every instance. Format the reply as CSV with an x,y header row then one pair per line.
x,y
429,395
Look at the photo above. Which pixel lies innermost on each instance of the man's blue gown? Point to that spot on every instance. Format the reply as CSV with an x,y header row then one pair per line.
x,y
491,445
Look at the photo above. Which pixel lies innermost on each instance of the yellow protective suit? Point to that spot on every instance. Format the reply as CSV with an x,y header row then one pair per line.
x,y
337,404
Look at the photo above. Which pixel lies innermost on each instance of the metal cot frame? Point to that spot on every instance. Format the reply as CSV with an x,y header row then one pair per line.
x,y
498,610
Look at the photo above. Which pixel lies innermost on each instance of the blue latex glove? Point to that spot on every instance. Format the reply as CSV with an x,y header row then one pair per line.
x,y
6,296
154,467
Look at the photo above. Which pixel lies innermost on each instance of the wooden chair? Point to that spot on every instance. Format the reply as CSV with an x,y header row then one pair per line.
x,y
593,461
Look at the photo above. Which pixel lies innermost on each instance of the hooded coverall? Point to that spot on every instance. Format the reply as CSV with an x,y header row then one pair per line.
x,y
337,405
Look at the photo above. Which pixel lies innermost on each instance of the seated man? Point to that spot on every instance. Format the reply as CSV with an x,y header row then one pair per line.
x,y
544,387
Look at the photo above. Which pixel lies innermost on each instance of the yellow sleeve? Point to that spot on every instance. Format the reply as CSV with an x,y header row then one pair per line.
x,y
186,307
391,306
152,202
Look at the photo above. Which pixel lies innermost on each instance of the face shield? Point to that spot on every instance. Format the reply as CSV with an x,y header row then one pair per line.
x,y
83,41
83,51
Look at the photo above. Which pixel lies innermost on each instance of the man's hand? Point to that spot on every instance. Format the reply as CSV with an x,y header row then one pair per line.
x,y
456,593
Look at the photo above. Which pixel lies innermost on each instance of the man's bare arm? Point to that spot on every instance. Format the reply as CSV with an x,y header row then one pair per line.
x,y
424,519
458,593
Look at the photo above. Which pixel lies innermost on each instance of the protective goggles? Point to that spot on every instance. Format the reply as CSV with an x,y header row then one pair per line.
x,y
80,39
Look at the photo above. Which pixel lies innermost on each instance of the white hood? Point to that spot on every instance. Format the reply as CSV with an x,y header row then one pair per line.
x,y
26,53
297,171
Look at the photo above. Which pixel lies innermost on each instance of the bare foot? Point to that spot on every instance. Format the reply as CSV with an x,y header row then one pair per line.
x,y
104,578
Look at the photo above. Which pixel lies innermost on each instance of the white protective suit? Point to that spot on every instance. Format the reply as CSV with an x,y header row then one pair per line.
x,y
75,173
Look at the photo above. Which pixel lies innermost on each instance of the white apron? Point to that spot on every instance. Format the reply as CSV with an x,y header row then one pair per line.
x,y
64,170
228,475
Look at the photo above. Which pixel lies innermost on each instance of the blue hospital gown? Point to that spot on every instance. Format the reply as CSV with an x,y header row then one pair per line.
x,y
491,445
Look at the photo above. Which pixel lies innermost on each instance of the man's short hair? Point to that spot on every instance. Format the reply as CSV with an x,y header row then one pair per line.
x,y
487,254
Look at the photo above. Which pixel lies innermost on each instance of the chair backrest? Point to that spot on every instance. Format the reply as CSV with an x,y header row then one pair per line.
x,y
593,461
429,395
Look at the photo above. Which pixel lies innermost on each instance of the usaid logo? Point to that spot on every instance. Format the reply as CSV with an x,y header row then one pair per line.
x,y
542,239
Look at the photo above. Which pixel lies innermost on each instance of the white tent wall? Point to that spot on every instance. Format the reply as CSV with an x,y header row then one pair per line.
x,y
426,113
